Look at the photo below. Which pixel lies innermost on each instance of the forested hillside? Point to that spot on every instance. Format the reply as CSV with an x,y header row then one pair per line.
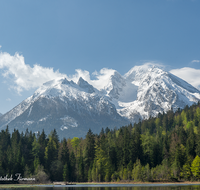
x,y
163,148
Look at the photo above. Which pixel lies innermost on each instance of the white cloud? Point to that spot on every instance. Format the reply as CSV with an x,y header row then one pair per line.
x,y
102,78
80,73
153,63
0,46
188,74
24,76
195,61
8,99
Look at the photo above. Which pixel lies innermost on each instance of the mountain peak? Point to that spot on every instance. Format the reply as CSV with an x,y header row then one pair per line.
x,y
73,108
64,81
117,82
85,85
137,73
67,82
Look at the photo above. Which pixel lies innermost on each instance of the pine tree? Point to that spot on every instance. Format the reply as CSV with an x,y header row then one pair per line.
x,y
43,143
63,155
66,172
197,150
126,143
89,150
190,143
80,169
51,153
72,167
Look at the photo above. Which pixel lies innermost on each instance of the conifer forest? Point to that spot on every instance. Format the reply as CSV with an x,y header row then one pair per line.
x,y
164,148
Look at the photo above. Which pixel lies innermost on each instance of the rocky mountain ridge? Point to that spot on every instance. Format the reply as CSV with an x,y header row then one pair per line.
x,y
72,108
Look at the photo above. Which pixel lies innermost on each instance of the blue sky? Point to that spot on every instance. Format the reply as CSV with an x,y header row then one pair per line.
x,y
46,39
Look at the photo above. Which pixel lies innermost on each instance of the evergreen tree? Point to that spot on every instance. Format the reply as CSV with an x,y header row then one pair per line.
x,y
126,142
4,144
89,150
51,153
66,173
80,169
147,145
197,150
136,151
43,143
64,153
72,167
190,143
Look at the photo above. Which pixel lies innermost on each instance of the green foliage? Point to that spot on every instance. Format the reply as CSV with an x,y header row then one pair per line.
x,y
184,118
195,167
137,171
146,173
162,148
56,171
80,169
66,172
161,172
50,152
41,176
89,150
63,154
186,172
36,164
147,146
75,142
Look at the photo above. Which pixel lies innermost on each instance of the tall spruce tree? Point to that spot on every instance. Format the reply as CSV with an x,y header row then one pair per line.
x,y
89,150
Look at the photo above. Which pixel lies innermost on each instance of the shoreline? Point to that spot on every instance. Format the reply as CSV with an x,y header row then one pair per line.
x,y
100,183
139,182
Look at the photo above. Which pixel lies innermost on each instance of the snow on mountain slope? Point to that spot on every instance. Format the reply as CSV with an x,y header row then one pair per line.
x,y
69,107
110,101
115,85
157,91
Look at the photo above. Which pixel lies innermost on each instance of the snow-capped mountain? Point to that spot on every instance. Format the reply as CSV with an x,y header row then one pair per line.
x,y
72,108
68,107
157,91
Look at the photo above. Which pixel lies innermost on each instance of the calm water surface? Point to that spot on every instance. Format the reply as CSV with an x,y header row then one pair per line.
x,y
116,187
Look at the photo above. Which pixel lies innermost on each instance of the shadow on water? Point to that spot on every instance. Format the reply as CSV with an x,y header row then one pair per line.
x,y
116,187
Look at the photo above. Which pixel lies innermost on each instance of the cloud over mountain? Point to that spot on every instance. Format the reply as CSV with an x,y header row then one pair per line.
x,y
188,74
74,107
22,75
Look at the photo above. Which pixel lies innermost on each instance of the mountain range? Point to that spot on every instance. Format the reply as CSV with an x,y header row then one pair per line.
x,y
74,107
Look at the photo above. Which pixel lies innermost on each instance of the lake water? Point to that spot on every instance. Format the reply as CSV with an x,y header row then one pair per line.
x,y
116,187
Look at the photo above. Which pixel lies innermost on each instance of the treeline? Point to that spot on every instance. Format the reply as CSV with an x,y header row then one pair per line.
x,y
163,148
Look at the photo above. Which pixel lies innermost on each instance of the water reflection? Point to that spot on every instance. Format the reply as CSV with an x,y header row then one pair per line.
x,y
116,187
